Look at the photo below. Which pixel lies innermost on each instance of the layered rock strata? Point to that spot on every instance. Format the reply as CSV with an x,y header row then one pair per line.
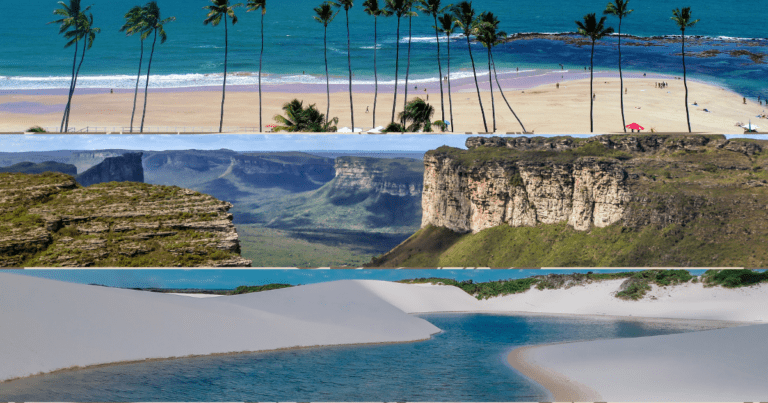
x,y
395,177
584,182
50,221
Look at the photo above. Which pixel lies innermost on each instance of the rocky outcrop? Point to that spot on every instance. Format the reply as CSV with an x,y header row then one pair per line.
x,y
49,221
125,168
585,183
397,177
584,193
47,166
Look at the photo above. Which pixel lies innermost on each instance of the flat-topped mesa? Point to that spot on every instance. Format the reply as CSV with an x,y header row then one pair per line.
x,y
387,176
114,224
592,182
645,143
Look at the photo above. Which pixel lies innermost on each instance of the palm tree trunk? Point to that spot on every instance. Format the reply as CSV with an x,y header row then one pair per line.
x,y
74,84
349,63
71,83
224,87
685,83
327,77
138,77
261,55
450,101
591,97
503,96
474,72
621,80
408,67
397,67
490,83
375,74
146,85
440,71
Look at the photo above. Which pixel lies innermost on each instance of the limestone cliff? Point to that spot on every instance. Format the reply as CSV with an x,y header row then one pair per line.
x,y
583,182
397,177
124,168
48,220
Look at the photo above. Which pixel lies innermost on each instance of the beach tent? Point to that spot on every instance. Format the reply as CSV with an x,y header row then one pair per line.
x,y
635,126
750,126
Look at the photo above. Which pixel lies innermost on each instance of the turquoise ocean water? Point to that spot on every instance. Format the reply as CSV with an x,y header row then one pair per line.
x,y
34,57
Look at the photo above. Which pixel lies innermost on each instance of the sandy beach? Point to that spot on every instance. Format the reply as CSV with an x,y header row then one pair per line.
x,y
543,107
64,326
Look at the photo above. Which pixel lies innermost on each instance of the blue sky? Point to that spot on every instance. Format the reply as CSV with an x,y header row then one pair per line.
x,y
228,279
242,142
236,142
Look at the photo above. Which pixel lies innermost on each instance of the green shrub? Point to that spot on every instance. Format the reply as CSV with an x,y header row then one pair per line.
x,y
36,129
246,289
734,278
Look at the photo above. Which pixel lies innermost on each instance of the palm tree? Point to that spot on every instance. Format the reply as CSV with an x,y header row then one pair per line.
x,y
448,26
594,30
419,114
155,25
465,18
620,8
496,76
324,16
397,8
298,119
433,8
410,14
488,36
218,10
135,23
683,20
372,8
347,4
70,17
255,5
87,32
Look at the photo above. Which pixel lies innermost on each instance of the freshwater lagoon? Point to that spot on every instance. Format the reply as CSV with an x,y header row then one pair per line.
x,y
465,362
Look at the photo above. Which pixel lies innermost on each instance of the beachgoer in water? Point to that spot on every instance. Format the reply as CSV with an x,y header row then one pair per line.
x,y
111,91
643,74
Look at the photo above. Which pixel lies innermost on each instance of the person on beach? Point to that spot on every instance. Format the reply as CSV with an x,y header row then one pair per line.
x,y
745,100
366,109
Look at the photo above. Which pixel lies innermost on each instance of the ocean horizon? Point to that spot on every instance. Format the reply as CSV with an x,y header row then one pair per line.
x,y
193,55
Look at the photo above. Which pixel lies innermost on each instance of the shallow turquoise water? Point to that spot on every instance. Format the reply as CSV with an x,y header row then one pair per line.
x,y
34,57
466,362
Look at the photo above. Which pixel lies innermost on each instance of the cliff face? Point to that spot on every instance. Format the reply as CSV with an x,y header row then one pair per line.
x,y
47,220
397,177
124,168
526,181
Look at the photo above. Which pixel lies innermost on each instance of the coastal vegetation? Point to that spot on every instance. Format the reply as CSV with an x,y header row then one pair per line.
x,y
683,20
635,286
620,9
594,30
484,27
247,289
300,119
218,10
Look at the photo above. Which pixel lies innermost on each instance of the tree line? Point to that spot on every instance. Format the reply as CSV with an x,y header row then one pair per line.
x,y
76,24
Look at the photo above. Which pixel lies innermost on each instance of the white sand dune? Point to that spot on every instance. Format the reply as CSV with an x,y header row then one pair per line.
x,y
708,366
49,325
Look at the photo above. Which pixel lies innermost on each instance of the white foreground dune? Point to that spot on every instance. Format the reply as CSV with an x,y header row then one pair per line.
x,y
51,325
56,325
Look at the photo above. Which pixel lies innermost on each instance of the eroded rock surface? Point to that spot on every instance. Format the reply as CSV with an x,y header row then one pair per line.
x,y
50,221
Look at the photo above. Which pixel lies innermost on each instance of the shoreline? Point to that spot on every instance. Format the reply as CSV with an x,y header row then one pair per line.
x,y
536,97
128,362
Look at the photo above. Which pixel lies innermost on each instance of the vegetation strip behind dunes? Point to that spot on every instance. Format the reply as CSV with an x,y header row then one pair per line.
x,y
635,286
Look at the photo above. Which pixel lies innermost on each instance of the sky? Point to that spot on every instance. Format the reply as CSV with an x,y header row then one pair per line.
x,y
214,279
235,142
245,142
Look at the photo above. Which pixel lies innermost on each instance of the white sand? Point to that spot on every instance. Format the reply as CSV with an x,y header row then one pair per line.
x,y
55,325
195,295
714,365
49,325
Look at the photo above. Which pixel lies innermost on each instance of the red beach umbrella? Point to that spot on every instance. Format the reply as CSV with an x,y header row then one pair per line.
x,y
635,126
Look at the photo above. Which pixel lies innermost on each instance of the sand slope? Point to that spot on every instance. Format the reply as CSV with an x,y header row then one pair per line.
x,y
714,365
50,325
